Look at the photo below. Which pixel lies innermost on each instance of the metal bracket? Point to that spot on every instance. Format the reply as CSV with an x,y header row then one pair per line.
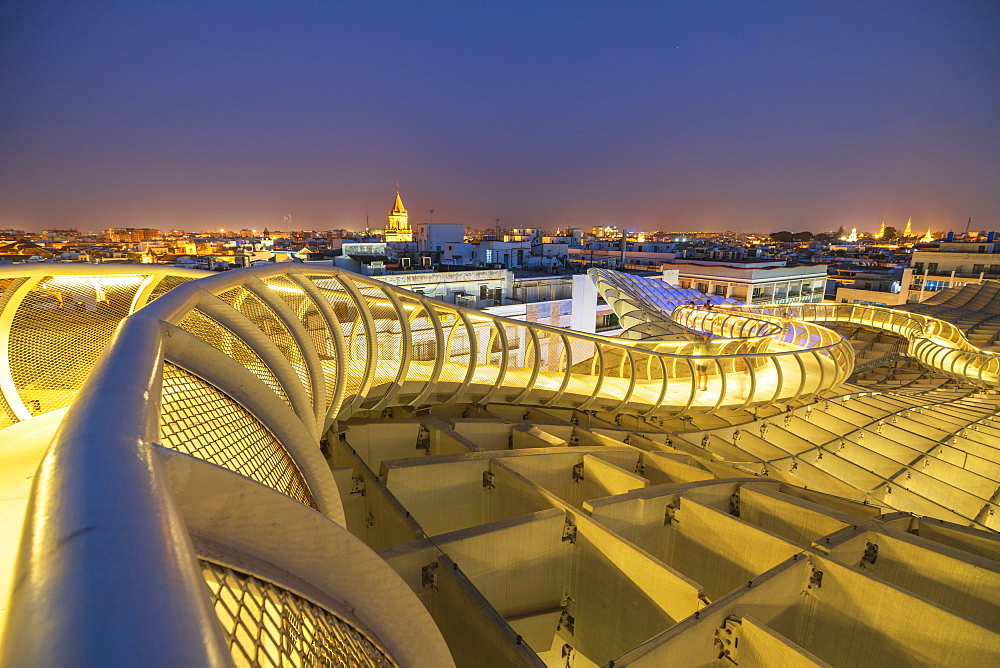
x,y
816,579
870,555
488,477
727,639
569,532
358,485
734,503
424,439
670,512
578,472
428,575
567,653
567,621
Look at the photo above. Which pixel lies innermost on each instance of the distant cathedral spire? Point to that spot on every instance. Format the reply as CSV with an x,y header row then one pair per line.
x,y
398,228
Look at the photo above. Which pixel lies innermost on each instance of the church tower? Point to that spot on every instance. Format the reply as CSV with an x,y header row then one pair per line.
x,y
881,231
398,228
908,232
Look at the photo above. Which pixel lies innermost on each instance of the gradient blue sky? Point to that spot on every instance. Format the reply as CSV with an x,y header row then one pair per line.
x,y
751,116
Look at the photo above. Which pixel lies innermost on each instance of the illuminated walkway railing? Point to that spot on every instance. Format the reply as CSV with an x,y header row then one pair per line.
x,y
248,370
934,342
245,373
330,343
641,303
56,319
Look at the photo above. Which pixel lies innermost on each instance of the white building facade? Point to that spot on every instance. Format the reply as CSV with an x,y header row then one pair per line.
x,y
754,282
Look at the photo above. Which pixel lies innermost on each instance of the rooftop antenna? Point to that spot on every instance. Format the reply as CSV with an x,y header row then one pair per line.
x,y
965,237
622,261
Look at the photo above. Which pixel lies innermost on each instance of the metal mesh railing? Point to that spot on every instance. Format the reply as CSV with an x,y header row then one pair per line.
x,y
59,320
222,339
352,332
59,329
266,321
267,625
165,285
7,288
198,419
319,332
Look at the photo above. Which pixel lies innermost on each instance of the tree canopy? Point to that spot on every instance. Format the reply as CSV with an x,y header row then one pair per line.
x,y
786,236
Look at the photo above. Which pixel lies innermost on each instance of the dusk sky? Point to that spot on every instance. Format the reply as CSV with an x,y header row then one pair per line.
x,y
680,116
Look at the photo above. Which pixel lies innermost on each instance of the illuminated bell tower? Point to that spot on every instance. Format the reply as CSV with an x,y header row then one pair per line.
x,y
908,232
398,228
881,231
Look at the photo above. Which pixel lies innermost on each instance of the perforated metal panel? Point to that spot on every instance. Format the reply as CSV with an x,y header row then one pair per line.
x,y
58,331
166,284
198,419
389,351
267,322
221,338
352,328
267,625
7,288
308,313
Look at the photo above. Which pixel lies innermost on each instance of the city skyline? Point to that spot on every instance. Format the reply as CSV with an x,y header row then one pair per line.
x,y
752,118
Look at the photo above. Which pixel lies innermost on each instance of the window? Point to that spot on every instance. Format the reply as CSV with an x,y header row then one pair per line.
x,y
484,292
932,267
425,260
404,262
918,268
489,255
978,268
703,287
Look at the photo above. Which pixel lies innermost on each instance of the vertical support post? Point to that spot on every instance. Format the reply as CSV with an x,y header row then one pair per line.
x,y
584,316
